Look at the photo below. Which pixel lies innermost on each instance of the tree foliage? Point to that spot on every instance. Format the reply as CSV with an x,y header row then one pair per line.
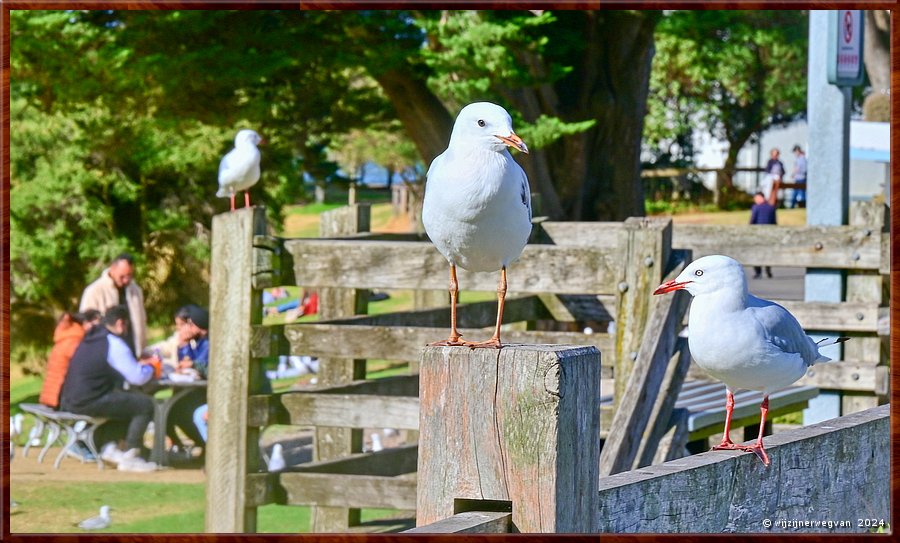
x,y
733,73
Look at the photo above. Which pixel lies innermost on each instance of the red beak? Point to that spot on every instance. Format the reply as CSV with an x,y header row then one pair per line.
x,y
670,286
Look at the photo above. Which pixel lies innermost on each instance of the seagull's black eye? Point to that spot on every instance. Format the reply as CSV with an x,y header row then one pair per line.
x,y
481,122
698,273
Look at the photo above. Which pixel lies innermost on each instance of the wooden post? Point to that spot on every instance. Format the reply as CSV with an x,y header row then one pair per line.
x,y
864,287
335,442
652,386
233,447
645,245
519,425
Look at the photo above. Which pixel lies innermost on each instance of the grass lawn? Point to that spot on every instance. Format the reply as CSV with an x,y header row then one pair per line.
x,y
141,507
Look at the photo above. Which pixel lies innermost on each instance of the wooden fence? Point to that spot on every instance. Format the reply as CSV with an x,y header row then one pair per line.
x,y
572,275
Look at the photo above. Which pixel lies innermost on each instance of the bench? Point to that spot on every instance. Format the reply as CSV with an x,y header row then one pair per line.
x,y
77,427
701,407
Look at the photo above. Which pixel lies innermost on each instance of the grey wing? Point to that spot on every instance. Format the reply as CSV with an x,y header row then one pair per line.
x,y
782,329
526,192
225,163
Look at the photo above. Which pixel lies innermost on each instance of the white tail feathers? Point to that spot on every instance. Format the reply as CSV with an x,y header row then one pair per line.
x,y
824,343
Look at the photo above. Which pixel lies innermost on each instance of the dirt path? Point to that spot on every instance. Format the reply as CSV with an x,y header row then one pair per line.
x,y
25,470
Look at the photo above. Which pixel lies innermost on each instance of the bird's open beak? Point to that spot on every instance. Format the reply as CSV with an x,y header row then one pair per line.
x,y
514,141
670,286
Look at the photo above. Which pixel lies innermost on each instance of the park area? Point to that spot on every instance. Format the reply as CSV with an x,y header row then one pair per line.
x,y
276,190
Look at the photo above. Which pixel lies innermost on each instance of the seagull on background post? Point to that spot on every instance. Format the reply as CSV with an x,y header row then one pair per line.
x,y
239,169
477,207
746,342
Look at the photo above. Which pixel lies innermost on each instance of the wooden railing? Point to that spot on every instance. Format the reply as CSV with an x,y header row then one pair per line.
x,y
574,273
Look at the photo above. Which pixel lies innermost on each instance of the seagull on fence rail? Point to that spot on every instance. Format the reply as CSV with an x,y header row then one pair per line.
x,y
239,169
477,208
744,341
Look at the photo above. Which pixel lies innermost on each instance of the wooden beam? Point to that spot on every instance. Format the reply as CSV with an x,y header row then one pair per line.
x,y
470,522
332,490
351,410
725,491
850,316
832,247
385,463
235,304
408,343
517,425
410,265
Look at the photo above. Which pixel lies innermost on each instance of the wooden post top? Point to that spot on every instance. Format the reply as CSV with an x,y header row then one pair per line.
x,y
519,425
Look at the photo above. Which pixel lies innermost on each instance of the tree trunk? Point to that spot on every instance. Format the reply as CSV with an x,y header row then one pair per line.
x,y
424,117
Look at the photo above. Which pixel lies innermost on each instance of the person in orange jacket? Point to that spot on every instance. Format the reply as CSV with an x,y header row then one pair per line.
x,y
69,331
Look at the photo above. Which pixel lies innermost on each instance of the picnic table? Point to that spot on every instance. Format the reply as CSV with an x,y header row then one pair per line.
x,y
163,406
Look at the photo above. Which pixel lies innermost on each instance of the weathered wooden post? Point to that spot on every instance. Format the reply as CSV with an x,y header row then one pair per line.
x,y
235,304
334,442
520,425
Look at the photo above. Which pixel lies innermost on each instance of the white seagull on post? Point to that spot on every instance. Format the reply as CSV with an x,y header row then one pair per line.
x,y
477,207
746,342
239,169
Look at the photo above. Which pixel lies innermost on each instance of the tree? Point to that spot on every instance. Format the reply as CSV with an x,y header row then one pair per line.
x,y
734,73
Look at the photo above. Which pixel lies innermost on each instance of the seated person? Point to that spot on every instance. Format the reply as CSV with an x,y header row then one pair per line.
x,y
191,330
93,387
66,338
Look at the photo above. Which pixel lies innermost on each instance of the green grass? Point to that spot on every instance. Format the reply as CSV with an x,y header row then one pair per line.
x,y
141,507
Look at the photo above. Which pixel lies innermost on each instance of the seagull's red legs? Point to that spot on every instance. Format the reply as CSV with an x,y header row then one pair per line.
x,y
729,408
494,342
246,199
727,444
454,338
232,201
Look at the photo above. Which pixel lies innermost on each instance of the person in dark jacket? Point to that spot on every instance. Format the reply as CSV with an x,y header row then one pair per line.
x,y
93,387
762,212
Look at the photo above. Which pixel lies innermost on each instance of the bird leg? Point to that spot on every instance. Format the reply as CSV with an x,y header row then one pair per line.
x,y
727,444
494,342
454,338
246,199
232,201
758,448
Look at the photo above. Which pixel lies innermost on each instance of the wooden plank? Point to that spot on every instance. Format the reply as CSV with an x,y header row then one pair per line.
x,y
673,444
232,449
385,463
470,522
850,316
661,414
517,425
724,491
645,248
410,265
471,315
408,343
583,234
580,307
866,286
351,411
339,440
644,383
833,247
332,491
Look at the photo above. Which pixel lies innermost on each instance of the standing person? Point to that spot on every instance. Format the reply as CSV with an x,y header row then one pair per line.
x,y
799,176
762,212
774,174
93,387
116,286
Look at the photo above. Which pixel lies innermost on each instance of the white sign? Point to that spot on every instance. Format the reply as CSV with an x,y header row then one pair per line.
x,y
849,43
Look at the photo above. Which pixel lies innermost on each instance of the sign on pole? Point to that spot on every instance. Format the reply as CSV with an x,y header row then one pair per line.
x,y
845,47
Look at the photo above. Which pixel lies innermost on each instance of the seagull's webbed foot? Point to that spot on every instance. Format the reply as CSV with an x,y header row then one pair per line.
x,y
493,343
452,341
758,449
